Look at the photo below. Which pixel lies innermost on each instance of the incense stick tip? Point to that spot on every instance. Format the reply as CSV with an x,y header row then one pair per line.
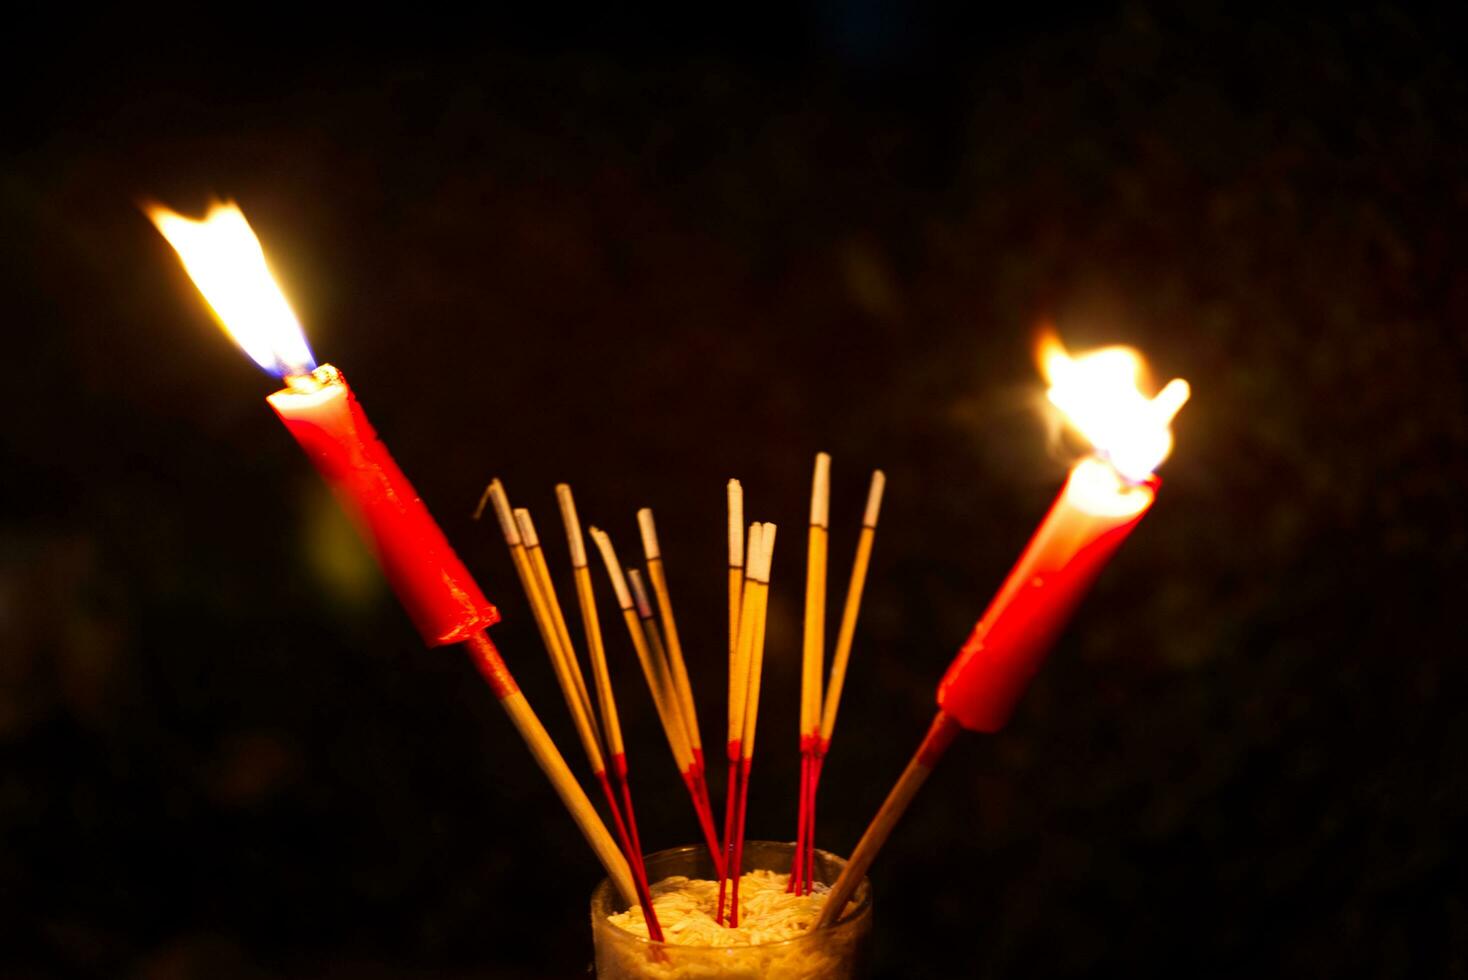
x,y
639,593
527,528
736,524
614,567
820,491
874,498
573,525
483,503
649,531
752,548
501,502
767,551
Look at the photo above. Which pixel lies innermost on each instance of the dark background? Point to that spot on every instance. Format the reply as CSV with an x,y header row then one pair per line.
x,y
644,255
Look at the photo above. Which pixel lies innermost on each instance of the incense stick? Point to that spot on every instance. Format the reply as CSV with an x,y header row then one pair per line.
x,y
495,492
606,699
760,580
738,692
656,675
487,658
841,659
812,657
535,586
657,575
735,495
659,654
568,669
672,728
591,623
940,735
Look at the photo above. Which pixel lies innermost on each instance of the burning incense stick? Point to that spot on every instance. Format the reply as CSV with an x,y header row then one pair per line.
x,y
659,579
760,582
841,659
611,723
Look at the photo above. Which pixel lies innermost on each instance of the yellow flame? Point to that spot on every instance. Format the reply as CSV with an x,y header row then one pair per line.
x,y
224,258
1099,394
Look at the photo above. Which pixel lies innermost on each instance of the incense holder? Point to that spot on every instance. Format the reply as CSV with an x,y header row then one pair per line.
x,y
835,951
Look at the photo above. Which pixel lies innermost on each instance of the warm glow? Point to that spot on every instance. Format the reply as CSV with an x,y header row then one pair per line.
x,y
1099,489
1099,394
224,258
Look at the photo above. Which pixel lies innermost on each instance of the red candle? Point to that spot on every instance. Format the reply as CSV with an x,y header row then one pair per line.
x,y
1104,498
1087,523
225,260
435,588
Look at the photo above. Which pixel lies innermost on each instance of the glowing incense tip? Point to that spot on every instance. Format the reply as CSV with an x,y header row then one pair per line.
x,y
573,525
639,593
874,498
820,491
1099,394
527,528
224,259
496,494
736,524
649,534
614,568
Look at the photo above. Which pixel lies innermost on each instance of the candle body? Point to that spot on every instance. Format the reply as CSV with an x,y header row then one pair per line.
x,y
1094,513
434,587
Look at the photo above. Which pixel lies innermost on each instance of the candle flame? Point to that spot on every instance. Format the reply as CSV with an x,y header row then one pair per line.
x,y
1099,394
225,260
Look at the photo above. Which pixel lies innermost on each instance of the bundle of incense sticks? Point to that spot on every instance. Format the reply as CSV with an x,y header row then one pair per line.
x,y
647,612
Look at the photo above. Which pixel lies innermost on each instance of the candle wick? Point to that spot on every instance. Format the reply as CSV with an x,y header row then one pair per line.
x,y
303,383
